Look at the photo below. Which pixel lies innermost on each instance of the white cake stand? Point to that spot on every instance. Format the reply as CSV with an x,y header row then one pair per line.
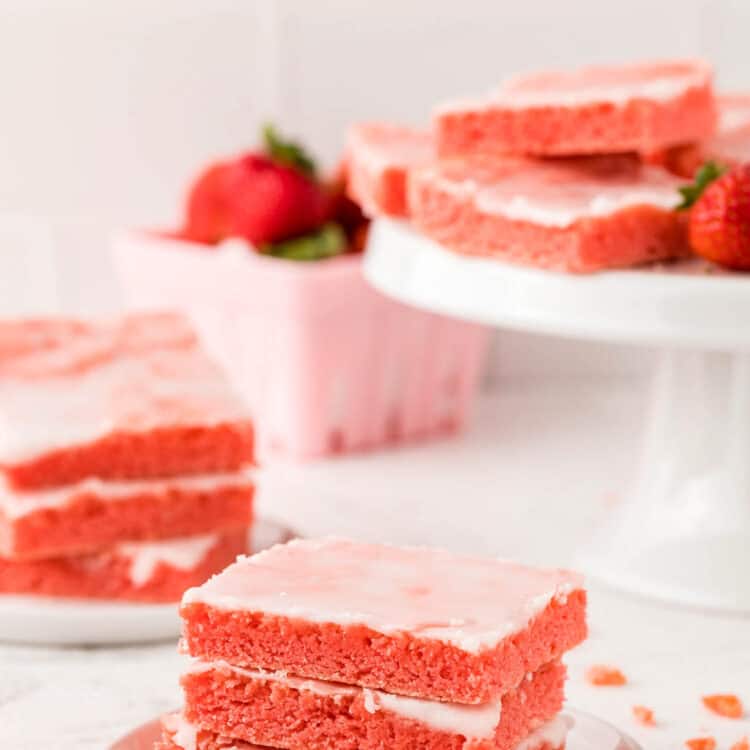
x,y
84,622
683,533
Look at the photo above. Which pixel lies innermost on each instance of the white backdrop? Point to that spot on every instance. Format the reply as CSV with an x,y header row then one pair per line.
x,y
108,106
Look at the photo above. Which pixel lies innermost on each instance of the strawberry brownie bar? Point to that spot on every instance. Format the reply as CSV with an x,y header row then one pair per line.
x,y
575,215
179,734
134,571
277,709
93,514
413,621
378,160
729,147
597,110
134,398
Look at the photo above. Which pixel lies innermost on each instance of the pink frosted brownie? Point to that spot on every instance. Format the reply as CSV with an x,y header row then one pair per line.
x,y
135,571
730,146
93,514
277,709
378,160
576,215
413,621
734,113
179,734
134,398
642,107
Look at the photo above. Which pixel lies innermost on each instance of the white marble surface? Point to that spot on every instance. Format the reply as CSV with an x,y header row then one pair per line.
x,y
537,472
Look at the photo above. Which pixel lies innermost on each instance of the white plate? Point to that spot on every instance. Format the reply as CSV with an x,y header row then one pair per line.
x,y
588,733
65,622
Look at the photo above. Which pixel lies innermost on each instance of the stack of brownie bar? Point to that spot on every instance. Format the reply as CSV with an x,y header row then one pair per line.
x,y
566,171
330,644
123,460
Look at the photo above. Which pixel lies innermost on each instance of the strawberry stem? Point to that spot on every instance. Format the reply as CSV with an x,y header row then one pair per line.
x,y
326,242
286,152
709,172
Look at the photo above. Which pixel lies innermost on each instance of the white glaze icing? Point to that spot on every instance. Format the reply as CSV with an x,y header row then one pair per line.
x,y
183,554
661,89
559,211
184,734
590,86
553,733
558,196
472,603
63,387
473,722
18,504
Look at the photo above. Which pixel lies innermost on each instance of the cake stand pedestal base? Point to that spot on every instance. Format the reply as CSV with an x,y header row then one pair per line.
x,y
683,533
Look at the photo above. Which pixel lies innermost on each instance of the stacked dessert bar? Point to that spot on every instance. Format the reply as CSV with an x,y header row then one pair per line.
x,y
729,147
330,644
565,171
123,458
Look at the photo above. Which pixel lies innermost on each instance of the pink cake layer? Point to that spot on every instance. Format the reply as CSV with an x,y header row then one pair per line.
x,y
412,621
288,712
575,215
134,571
179,734
133,398
93,514
378,160
598,110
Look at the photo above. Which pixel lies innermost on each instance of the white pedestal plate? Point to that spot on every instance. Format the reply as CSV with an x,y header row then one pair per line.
x,y
683,533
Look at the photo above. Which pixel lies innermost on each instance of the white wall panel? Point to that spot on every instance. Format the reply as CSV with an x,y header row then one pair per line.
x,y
107,107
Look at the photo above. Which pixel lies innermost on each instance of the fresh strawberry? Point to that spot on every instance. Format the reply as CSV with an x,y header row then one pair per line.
x,y
207,219
719,226
261,197
343,210
269,202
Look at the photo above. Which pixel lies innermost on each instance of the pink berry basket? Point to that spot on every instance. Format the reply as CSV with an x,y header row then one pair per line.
x,y
326,363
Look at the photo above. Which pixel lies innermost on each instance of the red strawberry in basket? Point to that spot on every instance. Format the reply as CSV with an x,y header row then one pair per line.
x,y
719,227
261,197
269,202
207,206
347,213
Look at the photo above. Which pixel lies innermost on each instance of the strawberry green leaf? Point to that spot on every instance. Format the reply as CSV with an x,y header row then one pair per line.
x,y
709,172
326,242
290,153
